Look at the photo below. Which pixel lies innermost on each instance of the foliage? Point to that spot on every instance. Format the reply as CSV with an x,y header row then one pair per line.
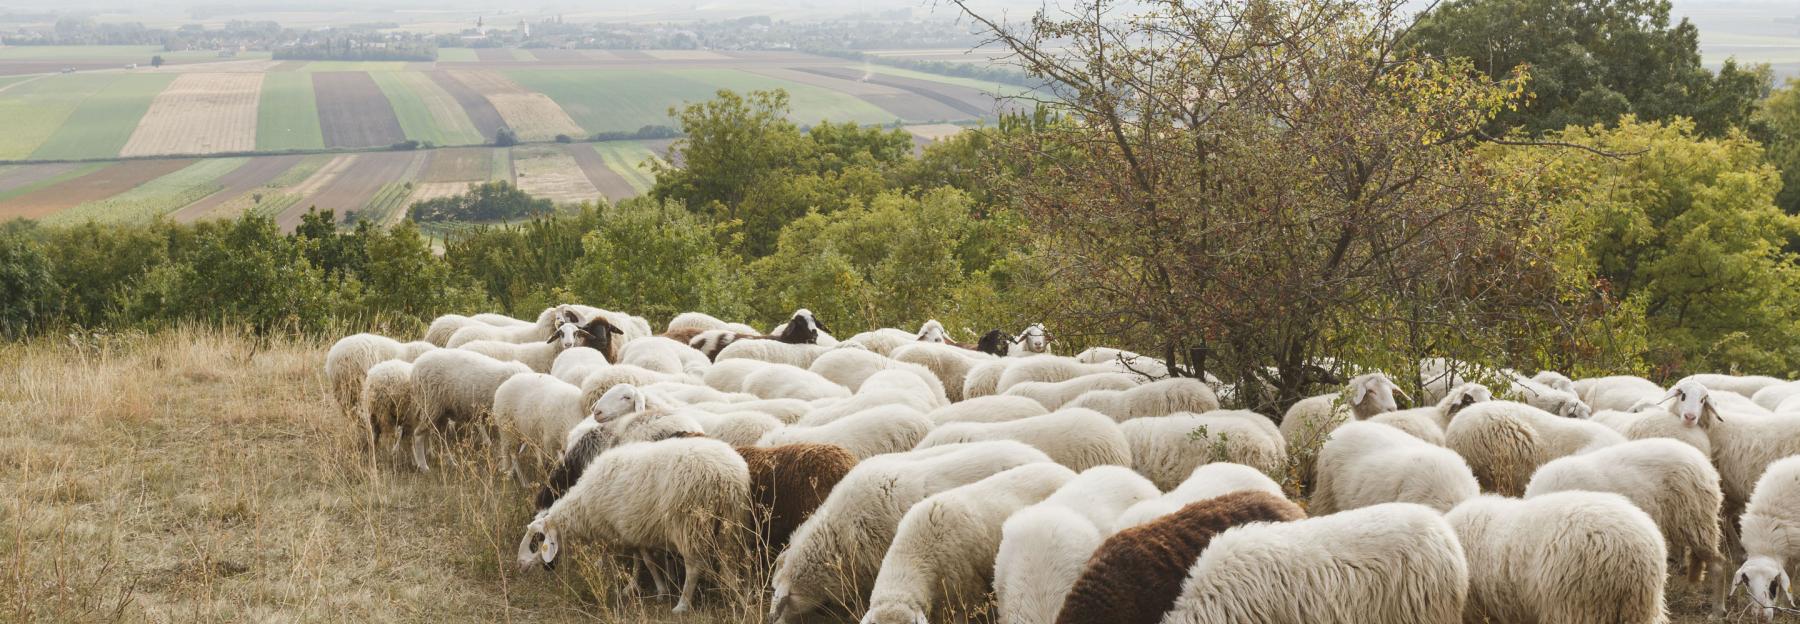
x,y
241,271
27,288
486,202
656,260
1591,61
1779,119
521,266
505,137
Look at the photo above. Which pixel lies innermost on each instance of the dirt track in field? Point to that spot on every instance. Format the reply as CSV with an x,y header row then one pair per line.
x,y
200,113
353,111
350,185
252,175
481,112
608,182
95,186
534,116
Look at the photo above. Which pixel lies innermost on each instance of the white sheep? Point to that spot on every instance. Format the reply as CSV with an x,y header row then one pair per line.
x,y
1166,449
1035,340
1157,398
1077,438
697,322
850,367
1207,481
1055,394
1044,547
664,356
1771,537
389,403
534,414
1671,481
772,351
889,387
1370,463
1047,368
1504,442
1568,557
741,428
996,408
788,411
949,363
690,496
832,559
1387,563
1308,423
728,375
601,380
1746,385
541,355
576,363
547,322
455,386
1771,397
1560,402
1428,423
1654,421
781,381
984,379
1617,393
1125,361
1555,380
443,327
883,341
942,560
681,392
350,358
865,434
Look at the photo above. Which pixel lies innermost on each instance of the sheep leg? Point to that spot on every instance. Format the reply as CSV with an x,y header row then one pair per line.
x,y
657,579
513,461
688,585
418,450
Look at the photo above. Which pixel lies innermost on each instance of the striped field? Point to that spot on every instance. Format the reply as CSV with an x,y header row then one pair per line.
x,y
287,116
104,121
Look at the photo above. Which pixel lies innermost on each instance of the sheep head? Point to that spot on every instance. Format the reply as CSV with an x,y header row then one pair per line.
x,y
992,343
895,614
933,331
1371,394
802,328
619,401
1692,403
1463,396
1035,338
539,546
1766,580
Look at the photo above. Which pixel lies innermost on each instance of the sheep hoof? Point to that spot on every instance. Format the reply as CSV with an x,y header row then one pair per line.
x,y
681,608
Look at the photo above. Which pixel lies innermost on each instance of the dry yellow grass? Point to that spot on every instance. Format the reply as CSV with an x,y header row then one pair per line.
x,y
200,113
553,174
534,116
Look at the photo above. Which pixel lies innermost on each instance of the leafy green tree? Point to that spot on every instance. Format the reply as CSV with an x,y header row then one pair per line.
x,y
1591,61
1779,119
483,203
240,271
657,260
404,280
28,291
732,142
99,267
520,266
336,253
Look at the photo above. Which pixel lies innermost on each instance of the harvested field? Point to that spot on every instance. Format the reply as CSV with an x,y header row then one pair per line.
x,y
549,172
903,104
606,181
353,112
468,164
288,116
350,186
155,198
100,184
104,121
481,112
493,54
426,112
423,191
968,101
534,116
200,113
241,181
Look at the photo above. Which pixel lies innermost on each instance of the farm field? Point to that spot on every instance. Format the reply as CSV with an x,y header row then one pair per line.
x,y
427,113
102,123
154,198
287,115
200,114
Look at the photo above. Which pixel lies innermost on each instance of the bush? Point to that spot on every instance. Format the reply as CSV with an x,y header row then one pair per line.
x,y
657,260
563,138
505,137
493,201
28,292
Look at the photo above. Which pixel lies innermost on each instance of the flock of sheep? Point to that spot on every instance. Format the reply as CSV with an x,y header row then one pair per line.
x,y
899,477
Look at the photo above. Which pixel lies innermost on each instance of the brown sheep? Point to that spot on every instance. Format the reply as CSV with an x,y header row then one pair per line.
x,y
788,482
1136,575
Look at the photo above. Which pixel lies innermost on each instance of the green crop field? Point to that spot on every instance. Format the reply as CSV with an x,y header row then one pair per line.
x,y
286,116
427,113
156,197
104,121
628,159
457,55
614,100
388,203
808,103
500,165
34,110
996,88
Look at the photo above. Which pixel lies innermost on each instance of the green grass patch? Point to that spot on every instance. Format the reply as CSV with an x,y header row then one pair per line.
x,y
996,88
500,165
154,198
427,113
121,54
104,121
365,66
457,55
84,169
521,54
627,158
287,117
808,103
7,80
35,110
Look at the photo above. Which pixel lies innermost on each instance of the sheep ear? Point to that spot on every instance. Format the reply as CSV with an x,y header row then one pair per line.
x,y
552,338
1669,395
548,551
640,402
1362,392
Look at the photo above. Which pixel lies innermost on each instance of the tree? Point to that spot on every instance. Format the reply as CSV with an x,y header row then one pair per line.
x,y
1246,187
28,291
1591,61
505,137
657,260
156,61
1779,119
731,143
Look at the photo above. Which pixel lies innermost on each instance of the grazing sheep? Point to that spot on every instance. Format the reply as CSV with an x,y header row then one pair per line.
x,y
735,428
1771,397
996,408
1771,537
788,411
1439,375
1654,421
388,403
1168,448
1427,423
1388,563
688,393
803,328
883,341
1671,481
1745,385
932,331
456,386
690,496
1563,558
443,327
1126,361
500,320
350,358
599,381
984,378
771,351
865,434
1044,547
941,563
1555,380
1055,394
1048,369
787,483
1369,463
1077,438
851,368
1559,402
1208,481
576,363
781,381
624,415
994,343
832,559
664,356
535,413
1308,423
596,335
1157,398
546,324
1618,393
1035,340
889,387
950,364
1137,574
728,375
696,322
1504,442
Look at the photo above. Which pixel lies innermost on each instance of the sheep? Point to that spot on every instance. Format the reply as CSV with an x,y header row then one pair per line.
x,y
690,496
1035,340
787,483
500,320
1157,398
1555,380
1208,481
540,356
1055,394
1673,482
1746,385
1044,547
941,562
1308,423
1567,557
788,411
1046,369
889,387
1771,536
700,321
1396,562
1077,438
997,408
623,415
1167,448
1653,421
599,381
950,364
831,560
1437,376
735,428
781,381
388,402
350,358
546,324
1771,397
728,375
535,413
1136,575
1559,402
684,392
664,356
456,386
1369,463
1504,442
772,351
576,363
1428,423
865,434
1125,361
443,327
850,368
994,343
883,341
984,379
1618,393
803,328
